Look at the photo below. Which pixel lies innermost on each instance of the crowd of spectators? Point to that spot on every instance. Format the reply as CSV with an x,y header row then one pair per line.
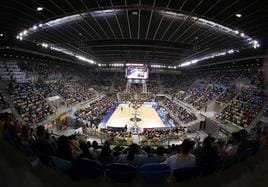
x,y
182,83
126,97
228,78
10,71
39,143
196,91
156,135
50,71
181,113
154,87
74,91
29,103
245,108
211,92
117,136
94,113
135,89
258,79
145,97
120,86
228,94
44,89
140,97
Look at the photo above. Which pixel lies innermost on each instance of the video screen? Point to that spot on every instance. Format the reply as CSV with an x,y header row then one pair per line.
x,y
137,72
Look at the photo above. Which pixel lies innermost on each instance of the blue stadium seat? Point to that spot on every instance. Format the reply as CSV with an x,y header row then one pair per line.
x,y
244,154
121,173
61,165
229,161
210,168
88,169
27,150
185,173
154,173
148,160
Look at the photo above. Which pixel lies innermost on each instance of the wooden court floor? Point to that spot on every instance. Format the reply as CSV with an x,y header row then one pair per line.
x,y
121,117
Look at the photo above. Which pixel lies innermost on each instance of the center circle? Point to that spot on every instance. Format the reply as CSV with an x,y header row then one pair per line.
x,y
133,119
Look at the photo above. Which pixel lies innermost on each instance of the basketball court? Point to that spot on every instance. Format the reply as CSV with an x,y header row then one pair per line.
x,y
147,117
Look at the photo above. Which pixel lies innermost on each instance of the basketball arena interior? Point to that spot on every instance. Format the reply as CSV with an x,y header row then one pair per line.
x,y
133,92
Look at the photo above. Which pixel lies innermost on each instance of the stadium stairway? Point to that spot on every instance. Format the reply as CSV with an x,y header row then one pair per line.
x,y
230,102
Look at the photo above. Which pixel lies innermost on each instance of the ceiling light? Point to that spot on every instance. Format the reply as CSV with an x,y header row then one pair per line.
x,y
45,45
39,8
231,51
238,15
25,32
255,42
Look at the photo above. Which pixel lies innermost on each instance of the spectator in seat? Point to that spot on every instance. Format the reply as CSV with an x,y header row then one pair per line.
x,y
64,150
10,134
117,150
264,139
160,154
94,150
74,144
233,144
244,141
85,151
184,158
207,153
25,135
134,155
105,156
42,145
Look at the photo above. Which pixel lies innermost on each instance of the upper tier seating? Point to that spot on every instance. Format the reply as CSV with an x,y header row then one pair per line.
x,y
96,110
9,70
179,111
243,110
31,106
73,91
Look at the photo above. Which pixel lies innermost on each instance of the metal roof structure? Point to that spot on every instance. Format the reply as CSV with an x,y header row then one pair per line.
x,y
170,32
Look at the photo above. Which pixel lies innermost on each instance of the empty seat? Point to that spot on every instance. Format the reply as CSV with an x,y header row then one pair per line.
x,y
154,173
121,173
61,165
185,173
89,169
229,161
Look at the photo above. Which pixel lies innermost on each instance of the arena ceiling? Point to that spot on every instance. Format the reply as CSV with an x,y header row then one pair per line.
x,y
167,32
